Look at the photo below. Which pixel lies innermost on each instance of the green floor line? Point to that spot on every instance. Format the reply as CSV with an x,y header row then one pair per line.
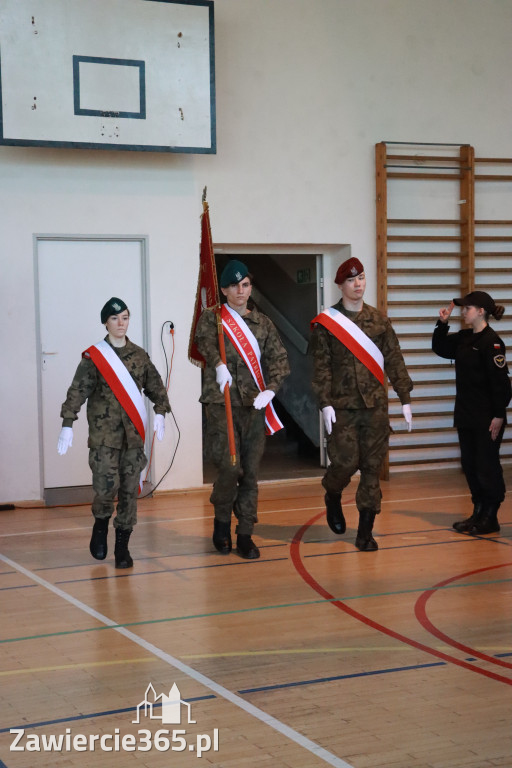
x,y
321,601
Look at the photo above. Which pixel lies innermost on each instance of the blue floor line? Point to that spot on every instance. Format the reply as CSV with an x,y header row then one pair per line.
x,y
334,678
92,715
245,691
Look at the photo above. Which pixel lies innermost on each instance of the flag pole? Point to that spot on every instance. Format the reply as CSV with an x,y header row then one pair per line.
x,y
222,347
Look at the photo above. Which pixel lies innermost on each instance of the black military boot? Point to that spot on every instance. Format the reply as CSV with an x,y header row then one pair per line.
x,y
364,539
463,526
487,520
246,548
98,545
121,553
334,513
222,537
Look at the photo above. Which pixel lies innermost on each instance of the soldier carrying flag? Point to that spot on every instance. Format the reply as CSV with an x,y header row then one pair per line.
x,y
252,369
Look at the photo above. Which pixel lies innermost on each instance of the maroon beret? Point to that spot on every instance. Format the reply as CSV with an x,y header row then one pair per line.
x,y
350,268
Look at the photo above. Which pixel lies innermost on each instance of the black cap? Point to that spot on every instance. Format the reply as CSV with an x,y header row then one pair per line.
x,y
477,299
113,307
233,273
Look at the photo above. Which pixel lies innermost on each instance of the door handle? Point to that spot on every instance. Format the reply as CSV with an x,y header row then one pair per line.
x,y
44,355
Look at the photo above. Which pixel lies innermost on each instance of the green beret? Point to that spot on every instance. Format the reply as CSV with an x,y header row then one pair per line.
x,y
233,272
113,307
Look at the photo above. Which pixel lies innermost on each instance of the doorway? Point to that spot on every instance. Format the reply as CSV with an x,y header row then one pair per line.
x,y
75,276
287,287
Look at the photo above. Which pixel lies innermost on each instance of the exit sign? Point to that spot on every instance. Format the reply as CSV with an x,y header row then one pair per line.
x,y
304,275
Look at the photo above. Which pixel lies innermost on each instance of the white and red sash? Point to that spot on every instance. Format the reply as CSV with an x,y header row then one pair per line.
x,y
120,381
356,340
248,348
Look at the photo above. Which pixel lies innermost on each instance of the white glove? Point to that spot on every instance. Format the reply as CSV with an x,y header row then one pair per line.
x,y
263,399
159,425
65,440
406,410
329,418
223,376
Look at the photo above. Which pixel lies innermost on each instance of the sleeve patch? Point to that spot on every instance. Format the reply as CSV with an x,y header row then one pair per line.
x,y
499,361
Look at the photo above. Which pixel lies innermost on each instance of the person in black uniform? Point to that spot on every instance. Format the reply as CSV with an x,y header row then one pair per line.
x,y
483,392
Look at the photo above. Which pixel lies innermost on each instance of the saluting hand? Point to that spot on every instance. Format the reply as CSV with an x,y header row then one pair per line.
x,y
494,429
445,312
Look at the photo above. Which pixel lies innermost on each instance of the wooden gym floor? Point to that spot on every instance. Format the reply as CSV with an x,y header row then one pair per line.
x,y
314,655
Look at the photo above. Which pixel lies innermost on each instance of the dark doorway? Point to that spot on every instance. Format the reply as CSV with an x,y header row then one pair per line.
x,y
285,289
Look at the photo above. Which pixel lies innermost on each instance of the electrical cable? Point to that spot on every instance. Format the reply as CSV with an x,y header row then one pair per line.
x,y
168,372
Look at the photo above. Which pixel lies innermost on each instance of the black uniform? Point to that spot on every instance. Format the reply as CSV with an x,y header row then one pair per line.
x,y
483,392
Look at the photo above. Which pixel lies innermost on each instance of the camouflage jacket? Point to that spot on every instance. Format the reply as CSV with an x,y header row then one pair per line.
x,y
108,421
341,380
274,360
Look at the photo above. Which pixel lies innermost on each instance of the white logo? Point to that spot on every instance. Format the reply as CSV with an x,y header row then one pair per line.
x,y
238,276
144,740
171,706
116,305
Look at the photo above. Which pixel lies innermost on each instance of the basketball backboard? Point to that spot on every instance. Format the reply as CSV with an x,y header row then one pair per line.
x,y
108,74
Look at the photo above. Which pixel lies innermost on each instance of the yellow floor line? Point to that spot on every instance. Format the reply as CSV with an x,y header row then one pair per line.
x,y
80,665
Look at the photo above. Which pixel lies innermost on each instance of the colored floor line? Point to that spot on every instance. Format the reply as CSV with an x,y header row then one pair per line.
x,y
165,521
93,715
317,587
80,666
229,564
168,520
232,655
457,540
312,651
354,552
337,678
264,717
420,610
132,575
242,692
214,614
246,691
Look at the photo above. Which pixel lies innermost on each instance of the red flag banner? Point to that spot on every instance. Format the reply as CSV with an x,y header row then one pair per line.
x,y
207,296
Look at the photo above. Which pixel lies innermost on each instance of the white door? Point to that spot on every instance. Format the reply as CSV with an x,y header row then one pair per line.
x,y
76,276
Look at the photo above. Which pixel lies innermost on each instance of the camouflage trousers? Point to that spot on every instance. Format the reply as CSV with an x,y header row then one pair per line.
x,y
116,474
359,440
236,487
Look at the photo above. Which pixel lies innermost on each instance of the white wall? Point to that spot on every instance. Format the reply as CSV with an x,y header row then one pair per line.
x,y
305,88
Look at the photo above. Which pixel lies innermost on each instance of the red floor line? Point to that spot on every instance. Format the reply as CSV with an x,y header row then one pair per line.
x,y
311,582
420,610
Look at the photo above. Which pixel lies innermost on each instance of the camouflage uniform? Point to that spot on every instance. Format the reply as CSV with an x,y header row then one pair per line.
x,y
236,488
360,435
116,450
